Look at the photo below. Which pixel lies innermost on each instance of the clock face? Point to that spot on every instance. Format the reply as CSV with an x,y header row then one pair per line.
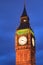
x,y
33,42
22,40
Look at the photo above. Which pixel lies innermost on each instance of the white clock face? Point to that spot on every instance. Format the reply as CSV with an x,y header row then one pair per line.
x,y
22,40
33,42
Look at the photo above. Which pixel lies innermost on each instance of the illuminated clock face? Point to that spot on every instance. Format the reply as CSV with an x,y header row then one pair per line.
x,y
33,42
22,40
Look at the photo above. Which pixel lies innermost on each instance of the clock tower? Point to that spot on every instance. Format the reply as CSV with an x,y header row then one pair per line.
x,y
25,42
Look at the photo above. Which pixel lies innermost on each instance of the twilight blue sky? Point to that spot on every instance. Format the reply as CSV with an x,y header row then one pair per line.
x,y
10,12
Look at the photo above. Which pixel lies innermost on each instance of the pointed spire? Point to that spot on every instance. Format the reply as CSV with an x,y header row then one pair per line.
x,y
24,3
24,11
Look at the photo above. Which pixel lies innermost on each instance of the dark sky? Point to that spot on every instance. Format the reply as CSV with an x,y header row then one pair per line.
x,y
10,12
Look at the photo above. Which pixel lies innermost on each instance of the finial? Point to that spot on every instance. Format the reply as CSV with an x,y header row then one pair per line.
x,y
24,3
24,11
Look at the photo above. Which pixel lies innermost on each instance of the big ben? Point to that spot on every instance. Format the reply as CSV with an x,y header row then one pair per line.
x,y
25,41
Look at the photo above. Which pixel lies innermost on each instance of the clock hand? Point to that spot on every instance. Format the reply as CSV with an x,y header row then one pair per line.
x,y
22,40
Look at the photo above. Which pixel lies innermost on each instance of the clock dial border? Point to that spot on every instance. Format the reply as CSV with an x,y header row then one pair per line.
x,y
24,36
31,41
